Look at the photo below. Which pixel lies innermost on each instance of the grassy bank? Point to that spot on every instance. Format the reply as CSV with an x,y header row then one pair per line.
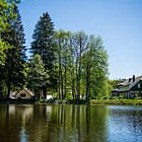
x,y
92,102
96,102
116,102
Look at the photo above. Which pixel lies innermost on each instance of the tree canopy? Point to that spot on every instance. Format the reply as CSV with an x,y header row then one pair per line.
x,y
43,44
69,65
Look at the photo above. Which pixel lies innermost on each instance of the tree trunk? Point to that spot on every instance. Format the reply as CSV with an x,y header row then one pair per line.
x,y
77,82
79,70
87,88
62,87
78,79
73,89
87,83
73,84
59,72
65,81
1,91
37,94
8,88
44,92
78,87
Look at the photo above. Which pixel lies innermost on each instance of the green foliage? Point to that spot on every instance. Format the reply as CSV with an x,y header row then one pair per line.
x,y
108,89
63,59
15,56
95,68
116,102
43,40
6,14
74,64
3,47
82,65
43,44
114,83
36,76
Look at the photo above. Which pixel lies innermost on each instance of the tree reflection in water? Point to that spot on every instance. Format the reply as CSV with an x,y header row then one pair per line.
x,y
68,123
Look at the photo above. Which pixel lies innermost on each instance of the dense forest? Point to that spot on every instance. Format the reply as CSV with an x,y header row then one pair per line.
x,y
65,64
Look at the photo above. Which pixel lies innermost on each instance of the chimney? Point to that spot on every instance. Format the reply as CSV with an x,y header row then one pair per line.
x,y
134,78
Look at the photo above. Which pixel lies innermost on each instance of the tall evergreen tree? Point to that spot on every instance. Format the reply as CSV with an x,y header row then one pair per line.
x,y
43,44
36,76
15,56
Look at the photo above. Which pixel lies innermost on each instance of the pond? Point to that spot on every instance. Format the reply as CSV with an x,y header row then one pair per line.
x,y
70,123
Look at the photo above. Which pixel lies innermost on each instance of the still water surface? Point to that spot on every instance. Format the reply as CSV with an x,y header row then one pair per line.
x,y
70,123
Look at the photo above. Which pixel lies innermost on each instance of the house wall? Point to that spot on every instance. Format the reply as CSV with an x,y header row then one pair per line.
x,y
23,95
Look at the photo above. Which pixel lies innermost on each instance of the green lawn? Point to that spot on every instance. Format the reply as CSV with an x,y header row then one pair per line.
x,y
117,102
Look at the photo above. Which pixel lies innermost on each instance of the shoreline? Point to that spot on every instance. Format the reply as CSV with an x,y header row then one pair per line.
x,y
77,102
116,102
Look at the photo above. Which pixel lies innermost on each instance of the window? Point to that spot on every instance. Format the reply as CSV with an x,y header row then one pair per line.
x,y
22,95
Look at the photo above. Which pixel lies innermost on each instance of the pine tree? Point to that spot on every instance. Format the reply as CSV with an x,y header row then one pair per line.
x,y
36,76
15,56
43,44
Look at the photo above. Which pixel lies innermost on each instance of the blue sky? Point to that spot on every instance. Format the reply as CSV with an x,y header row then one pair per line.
x,y
118,22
